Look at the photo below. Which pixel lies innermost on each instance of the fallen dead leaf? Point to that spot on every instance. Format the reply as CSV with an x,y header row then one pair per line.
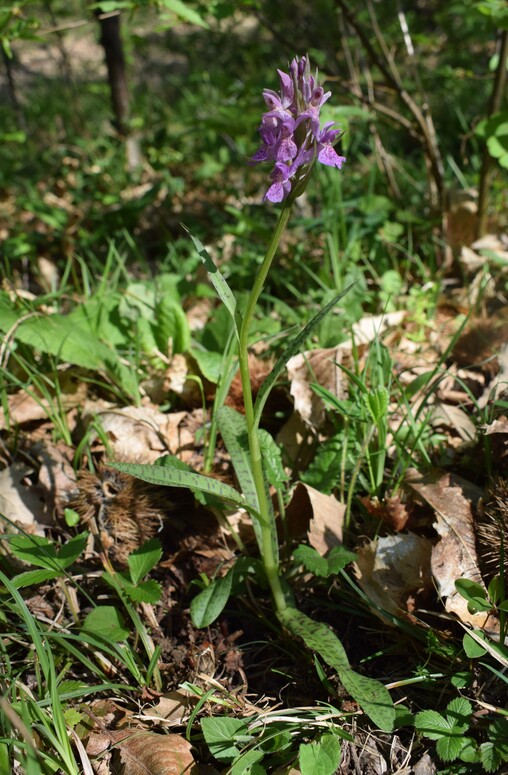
x,y
173,709
148,753
455,418
393,568
496,426
311,367
140,434
454,556
322,516
17,502
371,327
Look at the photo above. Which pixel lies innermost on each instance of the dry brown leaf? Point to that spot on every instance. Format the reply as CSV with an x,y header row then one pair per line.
x,y
23,408
18,502
56,473
322,516
147,753
449,416
172,709
315,366
141,434
496,426
371,327
392,568
454,556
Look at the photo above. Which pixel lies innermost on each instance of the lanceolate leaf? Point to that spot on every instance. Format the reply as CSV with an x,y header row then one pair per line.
x,y
234,432
233,429
209,604
219,283
174,477
290,350
371,695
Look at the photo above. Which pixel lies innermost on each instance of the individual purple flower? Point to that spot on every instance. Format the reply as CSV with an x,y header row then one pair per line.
x,y
291,134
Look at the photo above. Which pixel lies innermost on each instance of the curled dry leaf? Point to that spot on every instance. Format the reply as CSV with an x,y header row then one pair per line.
x,y
310,367
393,569
454,556
147,753
18,502
173,709
140,434
322,516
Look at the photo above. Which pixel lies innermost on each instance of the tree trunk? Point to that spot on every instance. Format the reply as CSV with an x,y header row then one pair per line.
x,y
111,41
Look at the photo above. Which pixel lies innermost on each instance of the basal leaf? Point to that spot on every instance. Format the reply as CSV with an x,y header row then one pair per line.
x,y
175,477
292,348
371,695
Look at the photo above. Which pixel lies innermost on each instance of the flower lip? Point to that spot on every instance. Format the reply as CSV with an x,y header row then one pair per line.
x,y
291,134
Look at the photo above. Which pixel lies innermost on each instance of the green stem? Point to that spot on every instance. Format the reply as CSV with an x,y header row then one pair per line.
x,y
268,531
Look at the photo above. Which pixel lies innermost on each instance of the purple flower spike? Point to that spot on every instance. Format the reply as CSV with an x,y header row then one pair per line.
x,y
291,133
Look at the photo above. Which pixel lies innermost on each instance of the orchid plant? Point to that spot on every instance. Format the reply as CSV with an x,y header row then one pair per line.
x,y
293,138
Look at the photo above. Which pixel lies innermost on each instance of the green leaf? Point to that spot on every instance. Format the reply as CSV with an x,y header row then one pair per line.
x,y
171,326
31,577
335,561
377,403
431,724
469,752
39,551
221,734
142,560
474,593
210,364
321,757
107,622
449,747
247,763
458,713
149,591
55,335
184,12
371,695
209,604
472,648
71,517
176,477
290,350
219,283
272,460
233,429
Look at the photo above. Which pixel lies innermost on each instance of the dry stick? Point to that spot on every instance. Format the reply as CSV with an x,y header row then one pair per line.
x,y
496,99
426,136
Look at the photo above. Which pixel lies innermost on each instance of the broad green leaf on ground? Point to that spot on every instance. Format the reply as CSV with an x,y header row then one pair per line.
x,y
43,553
209,604
56,335
321,757
175,477
371,695
337,559
292,348
142,560
221,734
107,622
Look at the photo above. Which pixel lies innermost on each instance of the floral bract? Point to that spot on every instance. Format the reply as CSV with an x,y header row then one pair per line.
x,y
291,132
